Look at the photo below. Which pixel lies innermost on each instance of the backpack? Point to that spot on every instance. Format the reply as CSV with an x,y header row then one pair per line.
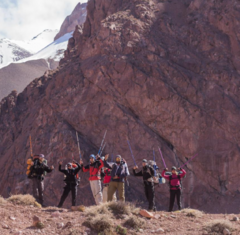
x,y
157,179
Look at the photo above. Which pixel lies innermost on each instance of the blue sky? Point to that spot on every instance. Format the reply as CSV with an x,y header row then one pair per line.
x,y
23,19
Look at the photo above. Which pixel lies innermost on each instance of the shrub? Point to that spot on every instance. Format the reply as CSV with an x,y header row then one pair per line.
x,y
120,230
192,213
2,200
25,200
40,225
218,225
99,223
134,222
121,208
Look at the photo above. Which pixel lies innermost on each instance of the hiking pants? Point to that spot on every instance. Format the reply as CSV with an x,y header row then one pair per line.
x,y
105,194
96,188
175,193
38,188
69,187
113,187
150,194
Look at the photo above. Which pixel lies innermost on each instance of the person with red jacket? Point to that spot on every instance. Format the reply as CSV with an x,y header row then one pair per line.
x,y
106,181
175,186
94,168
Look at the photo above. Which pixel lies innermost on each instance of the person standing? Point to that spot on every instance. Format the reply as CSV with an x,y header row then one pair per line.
x,y
147,173
38,171
119,173
94,168
71,180
175,186
106,182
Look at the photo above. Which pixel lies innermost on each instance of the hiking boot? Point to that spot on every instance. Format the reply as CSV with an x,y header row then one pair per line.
x,y
154,209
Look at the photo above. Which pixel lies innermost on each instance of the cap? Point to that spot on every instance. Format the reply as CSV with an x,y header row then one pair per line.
x,y
144,160
92,156
41,155
174,168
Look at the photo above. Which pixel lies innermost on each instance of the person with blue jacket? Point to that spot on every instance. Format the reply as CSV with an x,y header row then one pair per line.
x,y
119,172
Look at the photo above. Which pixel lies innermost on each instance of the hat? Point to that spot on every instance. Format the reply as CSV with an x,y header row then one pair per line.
x,y
144,160
174,168
118,156
92,156
69,164
41,155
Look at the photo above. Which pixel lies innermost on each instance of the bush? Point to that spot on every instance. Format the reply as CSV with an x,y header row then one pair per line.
x,y
99,209
134,222
192,213
121,208
99,223
2,200
120,230
26,200
218,225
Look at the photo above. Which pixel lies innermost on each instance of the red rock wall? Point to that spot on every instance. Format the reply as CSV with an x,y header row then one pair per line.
x,y
159,73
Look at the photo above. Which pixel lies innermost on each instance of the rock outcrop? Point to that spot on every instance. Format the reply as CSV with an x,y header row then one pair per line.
x,y
77,17
159,73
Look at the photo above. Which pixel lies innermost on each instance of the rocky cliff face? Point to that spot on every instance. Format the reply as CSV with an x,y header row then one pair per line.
x,y
77,17
159,73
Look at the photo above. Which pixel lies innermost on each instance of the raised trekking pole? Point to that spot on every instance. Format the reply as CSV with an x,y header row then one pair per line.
x,y
162,157
30,142
103,148
102,142
131,152
188,161
79,150
155,163
112,158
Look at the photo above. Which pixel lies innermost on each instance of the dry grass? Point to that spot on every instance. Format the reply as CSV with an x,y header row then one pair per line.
x,y
2,200
26,200
217,226
99,223
121,230
192,213
134,222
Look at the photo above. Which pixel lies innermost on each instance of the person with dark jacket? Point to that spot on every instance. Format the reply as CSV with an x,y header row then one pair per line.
x,y
175,186
118,176
94,169
38,169
147,173
71,181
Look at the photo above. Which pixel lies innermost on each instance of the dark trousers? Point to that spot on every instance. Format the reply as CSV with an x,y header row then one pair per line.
x,y
38,188
150,194
175,193
69,187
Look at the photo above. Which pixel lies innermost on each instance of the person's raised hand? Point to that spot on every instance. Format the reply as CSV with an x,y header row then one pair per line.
x,y
135,167
52,167
81,162
60,163
106,157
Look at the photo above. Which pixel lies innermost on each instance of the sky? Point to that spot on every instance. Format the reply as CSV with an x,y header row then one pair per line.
x,y
24,19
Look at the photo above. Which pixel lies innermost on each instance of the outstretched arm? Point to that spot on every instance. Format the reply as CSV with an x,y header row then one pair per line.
x,y
165,176
137,173
183,173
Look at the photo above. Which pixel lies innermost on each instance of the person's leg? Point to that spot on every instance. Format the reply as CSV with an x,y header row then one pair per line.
x,y
40,190
105,193
111,190
35,189
98,195
172,199
150,188
179,193
121,191
74,194
64,195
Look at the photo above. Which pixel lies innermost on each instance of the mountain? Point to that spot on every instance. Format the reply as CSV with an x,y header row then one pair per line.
x,y
77,17
157,73
12,51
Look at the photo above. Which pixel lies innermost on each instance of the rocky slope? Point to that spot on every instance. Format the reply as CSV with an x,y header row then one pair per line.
x,y
159,73
22,220
77,17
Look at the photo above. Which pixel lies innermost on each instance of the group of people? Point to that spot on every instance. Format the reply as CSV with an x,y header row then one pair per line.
x,y
113,174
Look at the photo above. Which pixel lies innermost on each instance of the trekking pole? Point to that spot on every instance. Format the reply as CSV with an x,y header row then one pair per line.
x,y
131,152
79,150
112,158
103,148
188,161
162,158
30,142
102,142
155,163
